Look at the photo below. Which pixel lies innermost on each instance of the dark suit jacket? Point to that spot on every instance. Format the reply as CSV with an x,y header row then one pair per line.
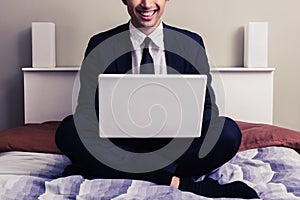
x,y
110,52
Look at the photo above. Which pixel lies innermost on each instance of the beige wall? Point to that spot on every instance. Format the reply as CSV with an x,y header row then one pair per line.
x,y
219,22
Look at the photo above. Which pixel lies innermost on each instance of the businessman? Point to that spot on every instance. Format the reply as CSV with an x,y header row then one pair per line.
x,y
147,45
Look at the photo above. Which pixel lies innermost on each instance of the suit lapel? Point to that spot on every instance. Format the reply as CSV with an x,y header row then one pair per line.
x,y
122,50
175,64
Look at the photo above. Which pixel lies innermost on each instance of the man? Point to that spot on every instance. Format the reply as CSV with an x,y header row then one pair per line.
x,y
120,50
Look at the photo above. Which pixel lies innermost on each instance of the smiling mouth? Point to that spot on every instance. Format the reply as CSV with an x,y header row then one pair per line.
x,y
147,13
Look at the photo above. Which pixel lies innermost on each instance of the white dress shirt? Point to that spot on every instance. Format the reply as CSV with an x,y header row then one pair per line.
x,y
156,49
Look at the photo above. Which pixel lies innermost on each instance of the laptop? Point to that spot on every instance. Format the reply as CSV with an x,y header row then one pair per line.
x,y
151,106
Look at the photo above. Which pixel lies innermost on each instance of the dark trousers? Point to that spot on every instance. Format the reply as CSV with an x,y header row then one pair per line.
x,y
221,129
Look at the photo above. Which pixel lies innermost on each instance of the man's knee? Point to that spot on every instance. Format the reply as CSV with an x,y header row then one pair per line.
x,y
231,135
64,131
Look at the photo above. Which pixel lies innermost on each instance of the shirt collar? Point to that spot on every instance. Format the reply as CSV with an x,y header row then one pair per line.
x,y
137,37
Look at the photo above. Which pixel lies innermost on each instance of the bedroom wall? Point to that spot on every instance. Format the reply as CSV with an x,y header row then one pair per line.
x,y
219,22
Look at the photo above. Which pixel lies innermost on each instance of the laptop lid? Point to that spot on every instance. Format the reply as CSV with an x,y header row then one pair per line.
x,y
144,106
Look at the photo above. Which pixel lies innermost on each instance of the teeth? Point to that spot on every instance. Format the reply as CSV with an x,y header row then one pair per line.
x,y
147,14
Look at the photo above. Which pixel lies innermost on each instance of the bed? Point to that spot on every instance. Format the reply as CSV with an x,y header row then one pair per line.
x,y
31,167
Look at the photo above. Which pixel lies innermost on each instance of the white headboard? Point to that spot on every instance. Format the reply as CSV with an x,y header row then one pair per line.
x,y
244,94
48,93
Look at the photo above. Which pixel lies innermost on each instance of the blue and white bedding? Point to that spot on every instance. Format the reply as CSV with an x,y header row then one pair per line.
x,y
274,172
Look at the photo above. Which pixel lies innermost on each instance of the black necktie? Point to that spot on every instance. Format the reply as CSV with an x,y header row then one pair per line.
x,y
147,66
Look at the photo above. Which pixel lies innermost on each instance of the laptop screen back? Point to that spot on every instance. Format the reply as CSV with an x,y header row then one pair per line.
x,y
145,106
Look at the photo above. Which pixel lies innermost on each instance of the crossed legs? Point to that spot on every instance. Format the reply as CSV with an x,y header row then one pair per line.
x,y
189,164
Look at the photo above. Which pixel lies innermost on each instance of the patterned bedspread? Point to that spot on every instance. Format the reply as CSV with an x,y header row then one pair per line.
x,y
274,172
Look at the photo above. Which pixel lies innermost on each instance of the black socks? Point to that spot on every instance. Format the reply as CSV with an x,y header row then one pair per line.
x,y
211,188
